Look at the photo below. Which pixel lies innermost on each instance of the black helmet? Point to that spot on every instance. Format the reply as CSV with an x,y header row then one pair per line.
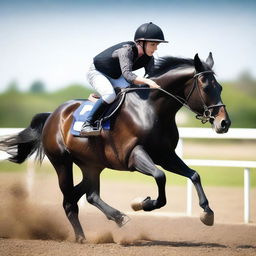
x,y
149,32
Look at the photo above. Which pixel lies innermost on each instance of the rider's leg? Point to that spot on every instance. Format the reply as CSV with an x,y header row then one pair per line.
x,y
97,110
101,84
104,87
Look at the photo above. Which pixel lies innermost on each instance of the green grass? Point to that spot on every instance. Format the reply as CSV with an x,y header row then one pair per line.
x,y
21,107
6,166
210,176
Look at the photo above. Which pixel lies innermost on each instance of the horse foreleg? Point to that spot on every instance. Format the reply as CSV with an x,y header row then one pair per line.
x,y
174,164
141,161
93,197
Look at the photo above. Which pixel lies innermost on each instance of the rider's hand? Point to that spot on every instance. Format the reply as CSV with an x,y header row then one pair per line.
x,y
143,80
153,84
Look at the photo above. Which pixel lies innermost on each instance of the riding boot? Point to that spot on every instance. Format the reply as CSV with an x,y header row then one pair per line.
x,y
97,110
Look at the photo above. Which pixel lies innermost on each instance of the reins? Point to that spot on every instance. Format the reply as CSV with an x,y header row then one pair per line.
x,y
204,117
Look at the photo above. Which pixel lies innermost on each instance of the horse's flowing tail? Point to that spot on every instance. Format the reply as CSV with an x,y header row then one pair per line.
x,y
24,144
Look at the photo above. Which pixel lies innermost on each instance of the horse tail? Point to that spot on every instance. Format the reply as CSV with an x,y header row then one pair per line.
x,y
28,141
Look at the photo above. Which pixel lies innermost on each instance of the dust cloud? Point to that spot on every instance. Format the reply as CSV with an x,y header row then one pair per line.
x,y
20,218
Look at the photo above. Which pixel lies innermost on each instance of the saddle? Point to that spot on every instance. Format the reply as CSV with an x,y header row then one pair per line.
x,y
81,113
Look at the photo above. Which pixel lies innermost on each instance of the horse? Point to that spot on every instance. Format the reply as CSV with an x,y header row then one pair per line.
x,y
143,136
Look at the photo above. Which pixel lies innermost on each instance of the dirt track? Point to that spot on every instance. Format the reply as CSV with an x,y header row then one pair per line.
x,y
36,225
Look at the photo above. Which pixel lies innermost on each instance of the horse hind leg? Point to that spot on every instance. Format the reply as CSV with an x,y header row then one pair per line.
x,y
71,194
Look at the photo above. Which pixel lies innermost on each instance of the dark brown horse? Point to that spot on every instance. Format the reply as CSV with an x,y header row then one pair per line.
x,y
143,134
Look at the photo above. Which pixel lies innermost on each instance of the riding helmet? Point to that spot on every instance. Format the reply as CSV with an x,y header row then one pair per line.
x,y
149,32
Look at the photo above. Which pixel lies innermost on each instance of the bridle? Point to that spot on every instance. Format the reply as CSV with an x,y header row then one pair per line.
x,y
207,113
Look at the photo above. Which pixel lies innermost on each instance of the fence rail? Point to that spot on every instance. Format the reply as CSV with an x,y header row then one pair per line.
x,y
207,133
192,133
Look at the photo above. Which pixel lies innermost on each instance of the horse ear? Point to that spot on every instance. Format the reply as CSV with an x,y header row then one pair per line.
x,y
209,60
198,64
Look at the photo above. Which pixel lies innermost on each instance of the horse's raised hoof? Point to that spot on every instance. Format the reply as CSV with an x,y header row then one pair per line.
x,y
137,204
80,239
122,220
207,218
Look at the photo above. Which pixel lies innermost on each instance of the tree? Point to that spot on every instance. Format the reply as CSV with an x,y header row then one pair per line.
x,y
12,87
246,82
37,87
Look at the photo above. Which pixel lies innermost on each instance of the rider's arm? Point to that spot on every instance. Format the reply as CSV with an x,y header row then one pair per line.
x,y
125,56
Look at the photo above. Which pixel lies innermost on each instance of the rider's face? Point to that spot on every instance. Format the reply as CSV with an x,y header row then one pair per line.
x,y
151,47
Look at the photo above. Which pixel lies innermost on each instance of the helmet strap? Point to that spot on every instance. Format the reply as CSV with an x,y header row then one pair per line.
x,y
141,44
144,46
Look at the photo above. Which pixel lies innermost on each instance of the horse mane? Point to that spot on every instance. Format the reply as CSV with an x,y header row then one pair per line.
x,y
167,63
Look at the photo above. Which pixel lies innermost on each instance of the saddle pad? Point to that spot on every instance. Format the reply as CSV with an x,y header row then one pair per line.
x,y
80,116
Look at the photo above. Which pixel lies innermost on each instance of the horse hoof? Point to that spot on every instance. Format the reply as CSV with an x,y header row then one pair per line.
x,y
207,218
80,239
123,221
137,204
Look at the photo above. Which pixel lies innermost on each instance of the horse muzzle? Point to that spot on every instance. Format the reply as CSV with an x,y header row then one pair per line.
x,y
221,122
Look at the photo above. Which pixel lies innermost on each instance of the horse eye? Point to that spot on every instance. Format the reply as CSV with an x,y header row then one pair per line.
x,y
206,86
203,79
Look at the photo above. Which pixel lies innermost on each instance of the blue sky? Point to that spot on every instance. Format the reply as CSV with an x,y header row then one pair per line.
x,y
55,41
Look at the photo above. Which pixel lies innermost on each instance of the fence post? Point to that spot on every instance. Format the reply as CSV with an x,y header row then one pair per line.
x,y
246,195
179,152
189,197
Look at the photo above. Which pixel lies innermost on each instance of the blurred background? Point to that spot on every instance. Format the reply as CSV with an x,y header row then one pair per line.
x,y
46,48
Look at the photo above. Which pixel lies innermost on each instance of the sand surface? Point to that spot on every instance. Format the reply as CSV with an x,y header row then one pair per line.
x,y
35,224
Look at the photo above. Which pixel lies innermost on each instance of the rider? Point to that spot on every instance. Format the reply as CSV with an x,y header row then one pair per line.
x,y
113,68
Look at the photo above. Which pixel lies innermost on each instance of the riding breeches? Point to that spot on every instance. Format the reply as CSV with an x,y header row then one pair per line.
x,y
105,85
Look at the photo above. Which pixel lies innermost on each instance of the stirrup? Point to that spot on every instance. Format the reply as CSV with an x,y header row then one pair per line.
x,y
90,130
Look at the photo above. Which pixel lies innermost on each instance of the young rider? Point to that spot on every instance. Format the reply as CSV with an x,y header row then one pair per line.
x,y
113,68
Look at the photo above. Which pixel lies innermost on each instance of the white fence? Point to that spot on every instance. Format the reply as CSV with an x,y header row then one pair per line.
x,y
207,133
198,133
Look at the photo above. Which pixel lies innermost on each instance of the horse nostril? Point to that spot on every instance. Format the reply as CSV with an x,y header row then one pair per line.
x,y
224,123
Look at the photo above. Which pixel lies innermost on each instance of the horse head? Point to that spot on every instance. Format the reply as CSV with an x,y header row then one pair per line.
x,y
204,96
